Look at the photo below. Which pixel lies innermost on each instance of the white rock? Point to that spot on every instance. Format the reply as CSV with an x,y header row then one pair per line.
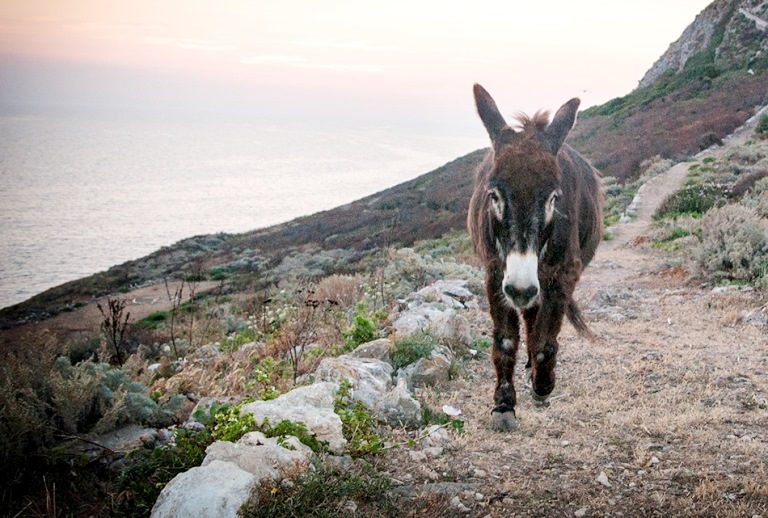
x,y
430,371
435,435
654,460
451,411
378,349
480,473
370,378
216,490
433,451
262,457
311,405
398,407
602,479
580,513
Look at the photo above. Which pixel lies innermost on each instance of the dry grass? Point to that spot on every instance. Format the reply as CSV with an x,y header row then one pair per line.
x,y
671,403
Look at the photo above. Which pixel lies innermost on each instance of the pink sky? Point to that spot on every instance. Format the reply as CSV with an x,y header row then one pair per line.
x,y
410,58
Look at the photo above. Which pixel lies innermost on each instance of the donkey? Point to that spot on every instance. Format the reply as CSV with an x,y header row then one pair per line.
x,y
535,219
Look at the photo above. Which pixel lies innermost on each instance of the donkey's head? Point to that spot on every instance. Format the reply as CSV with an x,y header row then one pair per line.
x,y
523,192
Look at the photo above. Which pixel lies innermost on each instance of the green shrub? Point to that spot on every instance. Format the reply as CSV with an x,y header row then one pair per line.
x,y
693,200
734,245
153,320
299,430
358,426
762,126
229,424
411,348
430,417
148,471
324,492
361,331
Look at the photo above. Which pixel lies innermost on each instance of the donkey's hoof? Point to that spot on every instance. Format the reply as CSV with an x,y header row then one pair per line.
x,y
538,400
504,421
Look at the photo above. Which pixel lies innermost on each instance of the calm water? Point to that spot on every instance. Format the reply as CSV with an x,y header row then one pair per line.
x,y
77,197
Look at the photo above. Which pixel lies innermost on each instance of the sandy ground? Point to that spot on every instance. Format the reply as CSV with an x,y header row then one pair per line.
x,y
665,414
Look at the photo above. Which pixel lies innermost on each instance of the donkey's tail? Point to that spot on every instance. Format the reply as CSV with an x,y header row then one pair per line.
x,y
573,313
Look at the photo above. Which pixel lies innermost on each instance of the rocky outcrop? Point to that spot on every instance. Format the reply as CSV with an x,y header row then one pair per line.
x,y
738,29
371,381
228,474
311,405
216,490
437,309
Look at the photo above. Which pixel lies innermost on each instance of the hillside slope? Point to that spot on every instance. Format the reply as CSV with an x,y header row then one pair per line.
x,y
707,84
704,86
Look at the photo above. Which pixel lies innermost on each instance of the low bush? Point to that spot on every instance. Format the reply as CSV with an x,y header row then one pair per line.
x,y
762,126
693,200
409,349
361,331
734,245
325,492
148,471
358,426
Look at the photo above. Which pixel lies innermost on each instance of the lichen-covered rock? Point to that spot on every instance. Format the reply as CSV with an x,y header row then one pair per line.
x,y
260,456
454,293
128,438
378,349
397,407
430,371
371,381
436,309
215,490
370,378
311,405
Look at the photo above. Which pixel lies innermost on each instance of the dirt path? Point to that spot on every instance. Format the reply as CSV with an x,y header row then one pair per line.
x,y
666,414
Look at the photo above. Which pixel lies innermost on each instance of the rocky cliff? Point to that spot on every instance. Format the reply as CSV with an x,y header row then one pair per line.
x,y
734,30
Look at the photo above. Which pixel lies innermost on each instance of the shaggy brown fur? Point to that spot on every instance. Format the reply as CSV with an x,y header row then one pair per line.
x,y
533,195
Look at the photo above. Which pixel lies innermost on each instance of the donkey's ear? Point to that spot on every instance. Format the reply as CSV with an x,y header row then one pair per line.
x,y
489,113
561,124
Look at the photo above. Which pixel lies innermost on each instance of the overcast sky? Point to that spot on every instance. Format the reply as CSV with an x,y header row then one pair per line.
x,y
391,63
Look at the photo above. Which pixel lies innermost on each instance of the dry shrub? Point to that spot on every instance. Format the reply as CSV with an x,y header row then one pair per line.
x,y
734,244
757,199
746,183
344,290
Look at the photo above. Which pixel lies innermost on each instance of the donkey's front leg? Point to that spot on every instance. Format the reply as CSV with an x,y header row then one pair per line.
x,y
506,337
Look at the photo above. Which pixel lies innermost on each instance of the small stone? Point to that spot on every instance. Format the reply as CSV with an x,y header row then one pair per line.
x,y
564,443
434,451
602,479
350,506
641,472
507,501
654,460
451,411
579,513
433,475
479,497
417,456
480,473
457,504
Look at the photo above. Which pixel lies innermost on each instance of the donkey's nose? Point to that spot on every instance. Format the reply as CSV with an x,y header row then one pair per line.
x,y
521,297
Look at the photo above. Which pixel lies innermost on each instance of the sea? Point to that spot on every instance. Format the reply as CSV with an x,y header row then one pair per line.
x,y
80,195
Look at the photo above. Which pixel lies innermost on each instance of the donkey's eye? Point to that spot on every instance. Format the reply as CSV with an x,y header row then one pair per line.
x,y
549,211
494,197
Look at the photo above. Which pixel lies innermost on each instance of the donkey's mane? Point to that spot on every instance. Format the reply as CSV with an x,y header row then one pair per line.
x,y
538,122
